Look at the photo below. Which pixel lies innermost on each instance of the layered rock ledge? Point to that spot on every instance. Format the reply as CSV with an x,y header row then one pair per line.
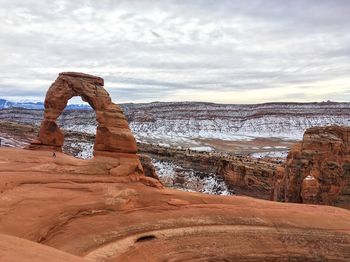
x,y
317,170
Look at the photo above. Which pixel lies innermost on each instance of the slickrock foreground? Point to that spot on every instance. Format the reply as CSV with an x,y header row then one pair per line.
x,y
77,207
106,209
19,249
318,169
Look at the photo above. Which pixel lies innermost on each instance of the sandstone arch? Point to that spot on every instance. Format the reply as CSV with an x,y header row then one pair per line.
x,y
113,133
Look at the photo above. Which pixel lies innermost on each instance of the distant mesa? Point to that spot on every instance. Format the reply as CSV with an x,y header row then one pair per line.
x,y
113,133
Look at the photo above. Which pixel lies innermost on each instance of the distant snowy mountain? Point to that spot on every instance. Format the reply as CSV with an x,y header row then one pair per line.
x,y
35,105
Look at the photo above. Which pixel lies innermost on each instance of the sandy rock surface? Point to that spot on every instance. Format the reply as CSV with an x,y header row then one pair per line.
x,y
77,207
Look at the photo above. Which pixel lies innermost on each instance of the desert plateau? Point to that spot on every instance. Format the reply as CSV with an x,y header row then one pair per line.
x,y
175,131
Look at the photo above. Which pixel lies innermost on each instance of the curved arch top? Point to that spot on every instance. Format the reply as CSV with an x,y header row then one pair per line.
x,y
113,133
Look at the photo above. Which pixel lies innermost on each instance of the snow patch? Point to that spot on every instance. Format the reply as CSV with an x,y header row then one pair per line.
x,y
164,144
202,148
274,154
84,149
309,177
187,180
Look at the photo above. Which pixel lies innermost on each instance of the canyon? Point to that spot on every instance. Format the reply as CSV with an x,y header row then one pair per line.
x,y
229,174
257,129
252,133
183,169
113,206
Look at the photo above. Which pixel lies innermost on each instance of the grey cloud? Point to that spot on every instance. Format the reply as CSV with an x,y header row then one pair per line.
x,y
10,91
152,49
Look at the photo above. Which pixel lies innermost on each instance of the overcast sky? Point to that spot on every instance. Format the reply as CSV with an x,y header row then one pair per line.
x,y
219,51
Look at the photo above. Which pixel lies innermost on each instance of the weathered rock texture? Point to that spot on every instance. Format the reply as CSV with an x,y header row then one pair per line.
x,y
247,176
113,133
317,170
75,206
243,175
114,142
14,249
105,209
148,167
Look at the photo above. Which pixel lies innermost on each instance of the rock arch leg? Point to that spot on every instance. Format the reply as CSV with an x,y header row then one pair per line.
x,y
113,133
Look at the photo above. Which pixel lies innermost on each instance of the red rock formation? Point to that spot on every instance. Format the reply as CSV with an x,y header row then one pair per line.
x,y
318,169
243,175
74,206
113,140
113,133
14,249
103,209
248,176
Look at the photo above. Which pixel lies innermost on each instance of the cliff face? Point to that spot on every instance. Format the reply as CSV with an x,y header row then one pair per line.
x,y
249,177
241,175
317,170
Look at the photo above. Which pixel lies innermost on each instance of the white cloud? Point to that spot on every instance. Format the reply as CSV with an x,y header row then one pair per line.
x,y
219,51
